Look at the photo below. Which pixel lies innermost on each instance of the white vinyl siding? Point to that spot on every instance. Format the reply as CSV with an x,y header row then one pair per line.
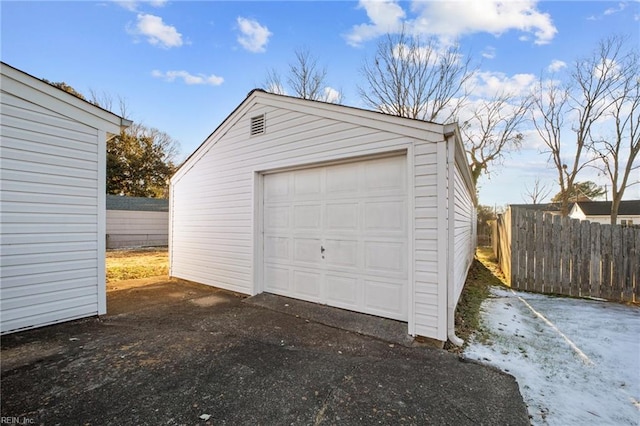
x,y
215,206
463,232
52,204
49,199
131,228
213,202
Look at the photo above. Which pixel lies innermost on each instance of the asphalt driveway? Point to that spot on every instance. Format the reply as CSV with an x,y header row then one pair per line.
x,y
175,352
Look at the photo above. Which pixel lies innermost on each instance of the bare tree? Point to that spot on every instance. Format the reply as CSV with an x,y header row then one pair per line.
x,y
587,99
306,79
105,100
538,193
618,153
494,129
412,78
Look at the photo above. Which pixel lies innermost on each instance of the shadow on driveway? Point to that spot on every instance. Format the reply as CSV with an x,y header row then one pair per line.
x,y
175,352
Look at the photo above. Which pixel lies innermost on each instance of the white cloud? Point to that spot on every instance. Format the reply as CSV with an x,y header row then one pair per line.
x,y
386,17
556,65
613,10
332,95
452,19
489,84
253,36
187,78
133,5
157,32
489,52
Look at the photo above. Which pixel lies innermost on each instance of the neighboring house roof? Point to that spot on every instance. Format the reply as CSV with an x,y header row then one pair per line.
x,y
117,202
603,208
546,207
69,105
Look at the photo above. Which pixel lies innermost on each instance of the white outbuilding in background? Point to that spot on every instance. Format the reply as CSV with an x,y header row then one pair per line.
x,y
52,203
330,204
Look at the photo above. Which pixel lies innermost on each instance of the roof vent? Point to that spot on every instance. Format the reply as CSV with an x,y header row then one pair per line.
x,y
258,125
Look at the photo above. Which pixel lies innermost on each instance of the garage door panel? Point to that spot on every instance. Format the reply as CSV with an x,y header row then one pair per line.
x,y
307,183
338,235
341,253
342,290
277,187
277,248
386,298
342,216
342,180
307,284
277,278
385,257
385,216
276,217
307,217
385,175
307,251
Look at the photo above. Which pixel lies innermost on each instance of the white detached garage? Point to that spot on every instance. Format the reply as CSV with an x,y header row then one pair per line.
x,y
52,203
330,204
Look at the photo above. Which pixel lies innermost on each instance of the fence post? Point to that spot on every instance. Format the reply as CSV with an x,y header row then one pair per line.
x,y
552,254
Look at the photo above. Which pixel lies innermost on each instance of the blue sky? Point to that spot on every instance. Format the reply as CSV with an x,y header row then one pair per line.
x,y
182,67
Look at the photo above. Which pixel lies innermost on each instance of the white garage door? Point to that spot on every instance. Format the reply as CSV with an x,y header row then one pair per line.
x,y
337,235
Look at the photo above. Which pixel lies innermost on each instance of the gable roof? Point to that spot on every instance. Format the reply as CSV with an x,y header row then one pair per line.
x,y
603,208
117,202
373,119
43,93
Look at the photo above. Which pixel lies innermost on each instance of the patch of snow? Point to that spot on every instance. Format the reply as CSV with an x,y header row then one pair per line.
x,y
576,361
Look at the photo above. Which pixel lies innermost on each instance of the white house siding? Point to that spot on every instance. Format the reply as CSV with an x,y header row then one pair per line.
x,y
213,195
130,228
49,204
52,199
464,236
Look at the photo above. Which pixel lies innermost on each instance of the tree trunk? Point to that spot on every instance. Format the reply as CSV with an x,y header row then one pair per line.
x,y
615,205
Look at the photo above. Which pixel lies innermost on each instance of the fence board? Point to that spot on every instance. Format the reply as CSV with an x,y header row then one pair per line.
x,y
555,265
575,257
548,253
606,290
595,273
627,249
616,267
566,255
585,259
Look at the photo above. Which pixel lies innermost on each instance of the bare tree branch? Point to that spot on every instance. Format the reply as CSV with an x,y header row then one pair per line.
x,y
617,153
412,78
536,194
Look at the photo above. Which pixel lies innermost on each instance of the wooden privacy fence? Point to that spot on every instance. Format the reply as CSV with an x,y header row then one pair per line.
x,y
546,253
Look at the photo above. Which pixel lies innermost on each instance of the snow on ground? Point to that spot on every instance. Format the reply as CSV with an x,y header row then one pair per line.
x,y
576,361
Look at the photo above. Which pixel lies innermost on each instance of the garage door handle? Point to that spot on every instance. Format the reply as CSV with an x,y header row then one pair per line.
x,y
321,249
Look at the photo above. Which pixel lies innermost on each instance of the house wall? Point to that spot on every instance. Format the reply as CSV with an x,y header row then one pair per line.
x,y
607,219
51,248
213,195
130,228
464,232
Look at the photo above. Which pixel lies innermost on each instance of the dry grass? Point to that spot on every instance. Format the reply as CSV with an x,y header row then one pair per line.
x,y
139,263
